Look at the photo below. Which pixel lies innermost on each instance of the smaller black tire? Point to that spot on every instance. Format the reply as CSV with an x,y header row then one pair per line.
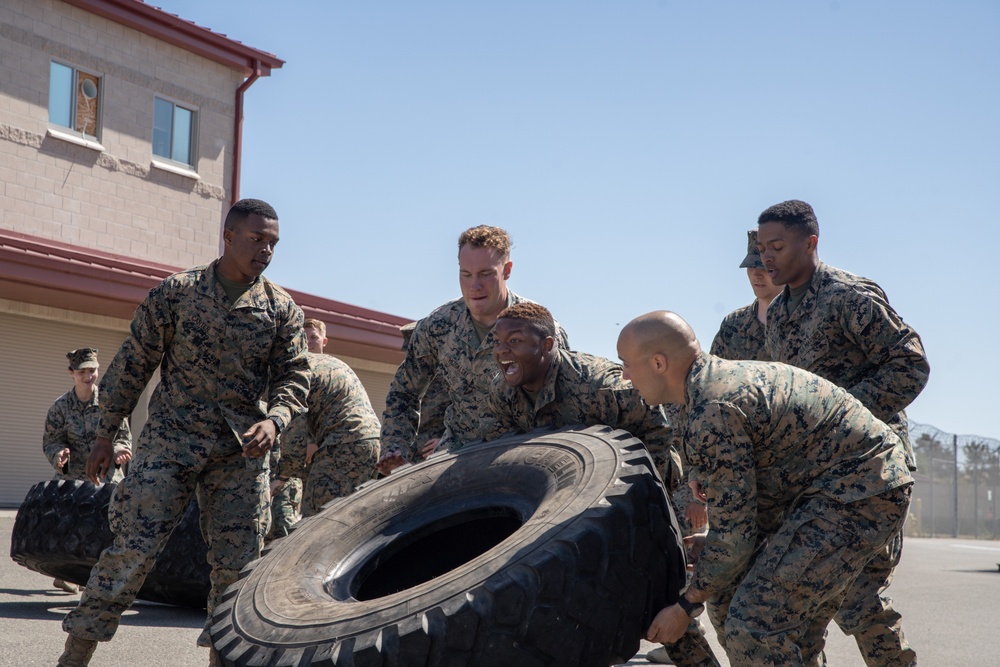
x,y
62,527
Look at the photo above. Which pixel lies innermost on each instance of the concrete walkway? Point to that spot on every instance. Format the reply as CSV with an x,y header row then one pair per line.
x,y
948,591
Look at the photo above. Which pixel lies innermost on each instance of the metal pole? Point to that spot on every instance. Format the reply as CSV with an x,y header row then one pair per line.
x,y
932,488
954,450
996,479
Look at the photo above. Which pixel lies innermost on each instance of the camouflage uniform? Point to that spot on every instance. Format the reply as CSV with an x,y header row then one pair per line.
x,y
286,502
343,424
845,331
432,406
72,423
217,361
804,487
445,343
583,389
741,336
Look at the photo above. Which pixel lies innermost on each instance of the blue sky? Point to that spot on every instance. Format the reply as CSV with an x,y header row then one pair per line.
x,y
627,147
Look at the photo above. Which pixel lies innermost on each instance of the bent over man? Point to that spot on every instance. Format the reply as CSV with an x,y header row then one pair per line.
x,y
225,339
804,485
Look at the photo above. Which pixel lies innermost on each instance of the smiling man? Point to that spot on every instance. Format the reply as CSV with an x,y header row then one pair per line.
x,y
226,341
541,385
454,343
841,327
804,486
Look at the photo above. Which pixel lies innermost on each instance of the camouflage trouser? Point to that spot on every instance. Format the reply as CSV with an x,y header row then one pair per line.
x,y
692,649
336,471
144,509
286,508
868,615
780,609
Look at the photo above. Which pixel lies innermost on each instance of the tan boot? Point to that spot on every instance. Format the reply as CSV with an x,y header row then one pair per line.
x,y
77,653
64,585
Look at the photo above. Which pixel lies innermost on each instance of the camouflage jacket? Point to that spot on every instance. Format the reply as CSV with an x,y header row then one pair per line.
x,y
445,343
340,412
218,361
73,423
741,336
760,436
433,405
583,389
291,446
845,331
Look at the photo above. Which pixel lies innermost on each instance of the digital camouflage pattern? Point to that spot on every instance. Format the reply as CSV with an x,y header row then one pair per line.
x,y
286,508
445,343
219,362
741,336
585,389
337,470
343,424
792,462
433,405
286,502
845,331
73,423
293,444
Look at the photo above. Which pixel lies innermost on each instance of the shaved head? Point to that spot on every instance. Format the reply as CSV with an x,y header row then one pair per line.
x,y
657,350
662,332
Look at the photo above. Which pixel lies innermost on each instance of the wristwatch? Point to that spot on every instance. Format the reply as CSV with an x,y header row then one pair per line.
x,y
692,609
279,425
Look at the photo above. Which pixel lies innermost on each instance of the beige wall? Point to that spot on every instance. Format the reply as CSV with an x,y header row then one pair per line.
x,y
113,200
36,340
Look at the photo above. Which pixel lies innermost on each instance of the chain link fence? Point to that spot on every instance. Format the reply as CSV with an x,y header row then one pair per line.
x,y
957,484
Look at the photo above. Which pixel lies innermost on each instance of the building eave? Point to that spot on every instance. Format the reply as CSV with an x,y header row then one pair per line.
x,y
59,275
172,29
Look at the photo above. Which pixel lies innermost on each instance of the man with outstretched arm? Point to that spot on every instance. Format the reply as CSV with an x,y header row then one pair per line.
x,y
542,385
227,341
804,485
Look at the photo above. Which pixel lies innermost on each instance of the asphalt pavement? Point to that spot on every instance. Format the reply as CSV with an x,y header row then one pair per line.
x,y
947,590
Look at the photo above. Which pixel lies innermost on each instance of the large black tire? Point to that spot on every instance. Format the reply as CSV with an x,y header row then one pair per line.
x,y
547,549
62,527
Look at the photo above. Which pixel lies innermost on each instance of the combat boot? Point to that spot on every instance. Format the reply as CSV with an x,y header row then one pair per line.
x,y
77,653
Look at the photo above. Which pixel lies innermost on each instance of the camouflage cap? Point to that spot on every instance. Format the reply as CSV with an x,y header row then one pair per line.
x,y
85,357
752,260
407,331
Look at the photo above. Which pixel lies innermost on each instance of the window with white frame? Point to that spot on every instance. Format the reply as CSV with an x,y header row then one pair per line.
x,y
173,132
74,99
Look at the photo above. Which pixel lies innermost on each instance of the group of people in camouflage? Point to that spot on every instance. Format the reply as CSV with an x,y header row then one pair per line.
x,y
785,446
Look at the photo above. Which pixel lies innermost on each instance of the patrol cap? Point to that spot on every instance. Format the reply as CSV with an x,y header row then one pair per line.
x,y
85,357
407,331
752,260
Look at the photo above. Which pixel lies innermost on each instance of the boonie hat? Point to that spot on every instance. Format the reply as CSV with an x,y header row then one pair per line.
x,y
85,357
752,260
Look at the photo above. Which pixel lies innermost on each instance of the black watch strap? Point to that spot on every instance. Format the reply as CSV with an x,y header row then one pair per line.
x,y
278,423
692,609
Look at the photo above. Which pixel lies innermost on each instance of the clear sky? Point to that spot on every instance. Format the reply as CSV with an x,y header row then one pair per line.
x,y
627,147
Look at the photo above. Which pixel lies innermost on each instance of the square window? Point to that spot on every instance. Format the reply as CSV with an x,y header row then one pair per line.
x,y
74,99
173,131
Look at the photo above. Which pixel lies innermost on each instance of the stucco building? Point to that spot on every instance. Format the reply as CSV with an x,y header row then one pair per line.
x,y
120,137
